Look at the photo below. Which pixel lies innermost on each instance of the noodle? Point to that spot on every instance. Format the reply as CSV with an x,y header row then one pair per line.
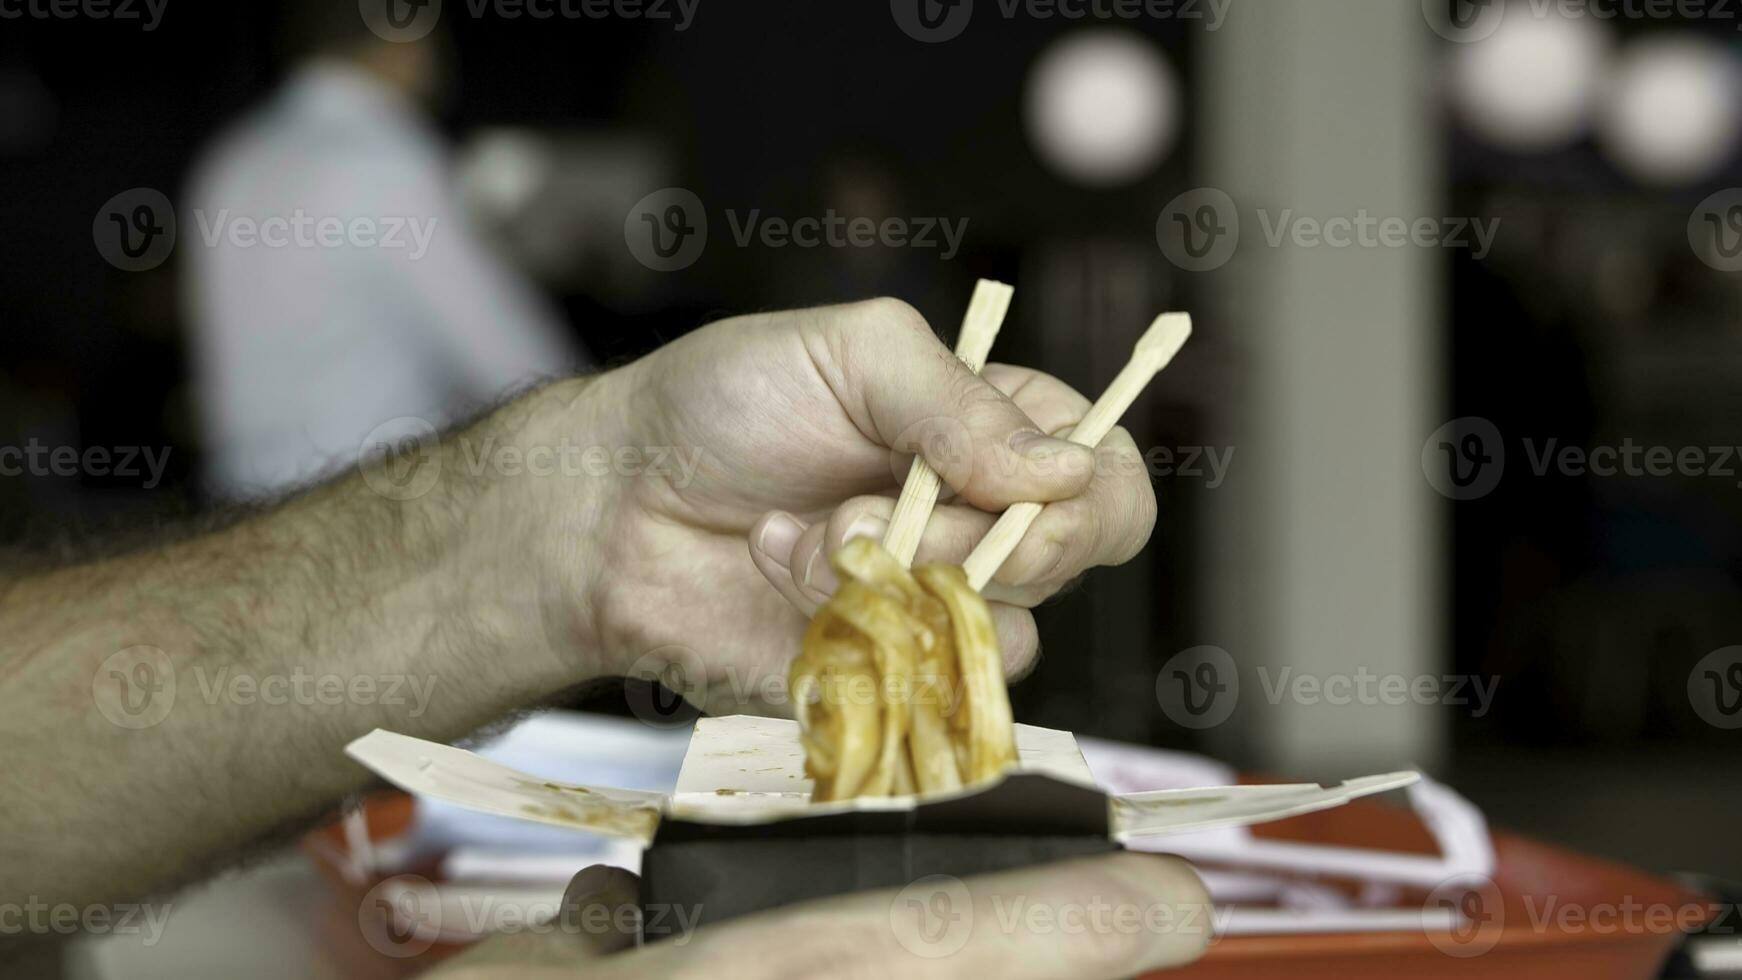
x,y
899,684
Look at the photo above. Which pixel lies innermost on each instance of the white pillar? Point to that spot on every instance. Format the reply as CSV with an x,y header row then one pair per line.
x,y
1326,551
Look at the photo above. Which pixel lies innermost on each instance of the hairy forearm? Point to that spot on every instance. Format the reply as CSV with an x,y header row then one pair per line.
x,y
166,707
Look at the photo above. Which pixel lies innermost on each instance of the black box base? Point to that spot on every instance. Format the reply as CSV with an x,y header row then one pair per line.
x,y
714,872
716,880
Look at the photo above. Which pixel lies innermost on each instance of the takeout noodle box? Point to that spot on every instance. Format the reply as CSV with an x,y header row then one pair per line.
x,y
740,834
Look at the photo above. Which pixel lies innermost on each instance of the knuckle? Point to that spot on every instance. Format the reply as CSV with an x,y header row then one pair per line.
x,y
1003,377
975,399
888,313
955,536
983,421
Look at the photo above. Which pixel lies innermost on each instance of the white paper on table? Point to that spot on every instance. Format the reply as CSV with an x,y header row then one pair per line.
x,y
1238,867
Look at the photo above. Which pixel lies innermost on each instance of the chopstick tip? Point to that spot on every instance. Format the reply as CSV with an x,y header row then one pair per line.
x,y
1166,336
990,288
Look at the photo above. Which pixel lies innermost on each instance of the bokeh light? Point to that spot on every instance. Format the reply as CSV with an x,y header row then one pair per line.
x,y
1103,107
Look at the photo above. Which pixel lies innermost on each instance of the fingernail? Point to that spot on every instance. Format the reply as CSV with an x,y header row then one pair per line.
x,y
867,526
818,576
780,534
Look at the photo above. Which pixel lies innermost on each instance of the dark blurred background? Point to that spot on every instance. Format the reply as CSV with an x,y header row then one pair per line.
x,y
1603,314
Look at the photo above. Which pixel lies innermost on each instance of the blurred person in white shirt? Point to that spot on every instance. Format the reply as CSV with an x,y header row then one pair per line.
x,y
334,281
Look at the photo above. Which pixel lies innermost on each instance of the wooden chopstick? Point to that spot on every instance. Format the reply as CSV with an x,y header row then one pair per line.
x,y
919,494
1154,352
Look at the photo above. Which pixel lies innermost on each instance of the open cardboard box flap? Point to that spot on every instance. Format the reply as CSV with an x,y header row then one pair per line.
x,y
744,770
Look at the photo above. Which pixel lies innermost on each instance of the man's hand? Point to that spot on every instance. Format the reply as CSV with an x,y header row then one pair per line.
x,y
1096,919
799,428
165,707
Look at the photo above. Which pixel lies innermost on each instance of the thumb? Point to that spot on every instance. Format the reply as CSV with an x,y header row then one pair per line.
x,y
601,909
918,399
